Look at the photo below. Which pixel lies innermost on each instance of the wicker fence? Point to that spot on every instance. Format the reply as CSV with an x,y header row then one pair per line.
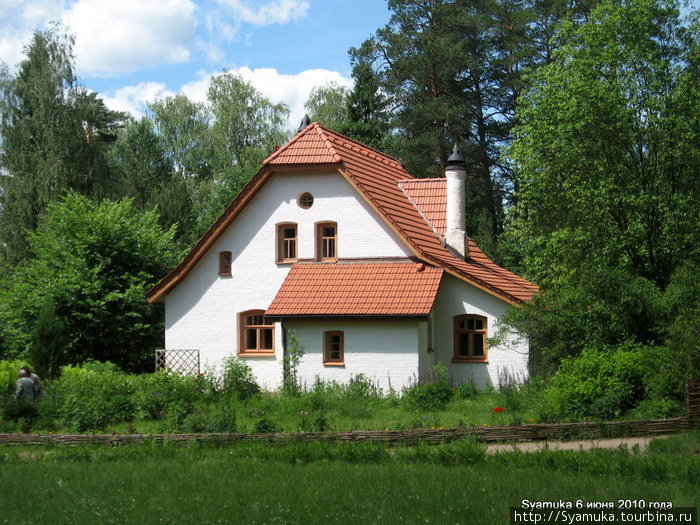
x,y
485,434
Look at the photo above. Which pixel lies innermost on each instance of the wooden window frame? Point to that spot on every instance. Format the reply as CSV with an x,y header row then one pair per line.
x,y
300,200
470,358
224,267
321,241
327,361
242,329
281,242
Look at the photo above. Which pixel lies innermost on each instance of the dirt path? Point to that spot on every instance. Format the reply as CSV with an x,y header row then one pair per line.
x,y
641,442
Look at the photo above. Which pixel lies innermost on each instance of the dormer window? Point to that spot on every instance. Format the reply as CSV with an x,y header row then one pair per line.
x,y
224,263
287,243
326,241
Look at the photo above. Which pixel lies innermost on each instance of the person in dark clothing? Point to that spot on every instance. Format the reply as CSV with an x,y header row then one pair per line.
x,y
25,391
38,387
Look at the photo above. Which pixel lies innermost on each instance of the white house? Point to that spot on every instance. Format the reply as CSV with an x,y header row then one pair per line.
x,y
369,266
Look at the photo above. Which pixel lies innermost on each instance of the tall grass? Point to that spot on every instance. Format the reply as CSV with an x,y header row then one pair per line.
x,y
322,483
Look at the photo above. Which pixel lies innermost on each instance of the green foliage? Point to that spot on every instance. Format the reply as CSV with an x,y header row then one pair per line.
x,y
220,419
602,383
607,154
328,105
8,377
54,137
294,351
238,379
162,394
47,351
466,391
430,392
140,164
95,262
94,395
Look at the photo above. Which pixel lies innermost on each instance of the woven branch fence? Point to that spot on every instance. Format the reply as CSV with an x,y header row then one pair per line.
x,y
533,432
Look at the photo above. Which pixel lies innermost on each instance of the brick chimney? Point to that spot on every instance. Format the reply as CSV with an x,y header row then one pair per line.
x,y
456,175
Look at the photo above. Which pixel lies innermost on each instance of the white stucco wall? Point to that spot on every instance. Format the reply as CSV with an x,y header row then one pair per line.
x,y
387,352
455,297
201,312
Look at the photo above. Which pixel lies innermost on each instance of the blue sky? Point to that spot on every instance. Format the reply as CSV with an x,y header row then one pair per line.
x,y
134,51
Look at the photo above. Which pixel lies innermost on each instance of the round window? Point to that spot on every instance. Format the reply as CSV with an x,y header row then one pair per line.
x,y
305,200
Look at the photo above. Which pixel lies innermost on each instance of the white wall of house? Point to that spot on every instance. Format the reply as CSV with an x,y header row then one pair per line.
x,y
456,297
201,312
387,352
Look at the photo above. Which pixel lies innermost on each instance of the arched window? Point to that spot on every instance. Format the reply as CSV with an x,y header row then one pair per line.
x,y
257,335
470,339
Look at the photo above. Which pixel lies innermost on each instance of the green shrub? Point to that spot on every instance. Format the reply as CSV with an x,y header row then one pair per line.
x,y
157,393
599,384
430,392
238,379
94,395
466,391
8,377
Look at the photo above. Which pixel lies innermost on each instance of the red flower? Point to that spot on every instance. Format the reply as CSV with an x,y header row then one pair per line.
x,y
498,409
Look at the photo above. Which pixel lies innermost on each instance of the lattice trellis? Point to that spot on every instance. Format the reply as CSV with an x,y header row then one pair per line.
x,y
182,361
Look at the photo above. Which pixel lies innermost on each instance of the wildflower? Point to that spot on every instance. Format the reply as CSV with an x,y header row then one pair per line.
x,y
532,420
440,428
498,409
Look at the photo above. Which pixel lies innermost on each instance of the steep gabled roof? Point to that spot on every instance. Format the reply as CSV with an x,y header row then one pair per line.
x,y
430,197
389,189
357,289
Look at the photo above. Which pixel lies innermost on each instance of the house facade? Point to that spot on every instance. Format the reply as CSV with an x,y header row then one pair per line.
x,y
369,267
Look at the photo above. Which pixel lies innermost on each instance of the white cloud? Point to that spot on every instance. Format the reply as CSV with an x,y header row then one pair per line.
x,y
275,12
113,38
18,19
133,99
293,90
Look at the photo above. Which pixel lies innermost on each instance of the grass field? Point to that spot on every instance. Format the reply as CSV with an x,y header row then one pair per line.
x,y
320,483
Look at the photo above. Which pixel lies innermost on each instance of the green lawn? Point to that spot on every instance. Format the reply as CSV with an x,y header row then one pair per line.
x,y
317,483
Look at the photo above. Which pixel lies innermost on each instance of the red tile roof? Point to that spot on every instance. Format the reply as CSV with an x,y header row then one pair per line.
x,y
430,197
357,289
408,207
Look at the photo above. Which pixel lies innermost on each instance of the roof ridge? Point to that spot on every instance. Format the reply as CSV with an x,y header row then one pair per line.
x,y
373,153
421,179
277,152
420,212
326,141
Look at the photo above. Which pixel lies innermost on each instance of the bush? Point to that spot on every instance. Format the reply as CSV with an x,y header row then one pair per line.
x,y
430,392
94,395
220,418
599,384
158,394
8,377
466,391
238,379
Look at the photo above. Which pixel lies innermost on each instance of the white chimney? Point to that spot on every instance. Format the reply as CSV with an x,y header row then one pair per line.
x,y
456,175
